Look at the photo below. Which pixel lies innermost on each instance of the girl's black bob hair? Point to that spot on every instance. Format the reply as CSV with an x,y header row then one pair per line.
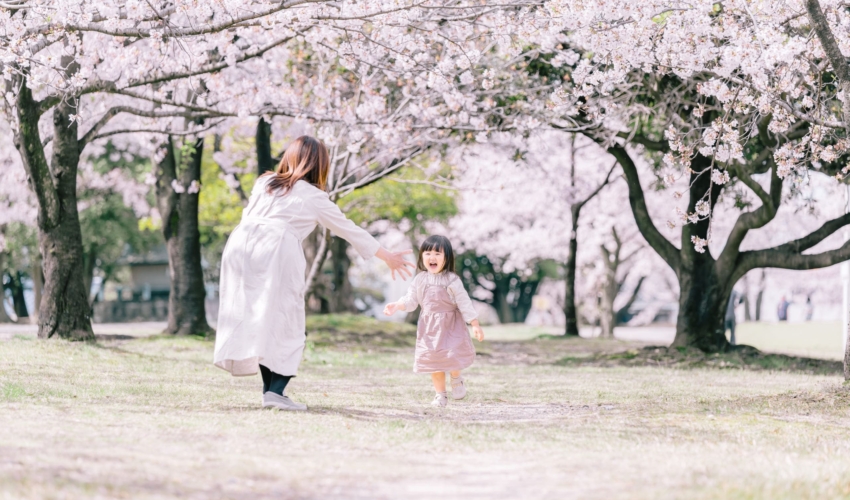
x,y
440,244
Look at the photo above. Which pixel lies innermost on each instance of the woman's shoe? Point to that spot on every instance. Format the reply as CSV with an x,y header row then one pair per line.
x,y
440,400
274,400
458,388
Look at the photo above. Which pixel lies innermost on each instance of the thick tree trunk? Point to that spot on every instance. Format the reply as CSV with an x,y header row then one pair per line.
x,y
37,274
342,293
63,310
186,309
702,307
703,293
503,308
263,139
570,310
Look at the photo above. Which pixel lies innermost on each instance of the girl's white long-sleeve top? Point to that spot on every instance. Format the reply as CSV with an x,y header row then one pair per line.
x,y
453,284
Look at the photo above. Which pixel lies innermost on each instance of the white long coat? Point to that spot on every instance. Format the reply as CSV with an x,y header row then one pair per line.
x,y
261,316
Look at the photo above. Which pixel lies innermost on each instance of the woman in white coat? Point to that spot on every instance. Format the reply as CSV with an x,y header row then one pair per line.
x,y
261,321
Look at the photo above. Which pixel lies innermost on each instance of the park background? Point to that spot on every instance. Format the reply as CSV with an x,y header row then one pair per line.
x,y
611,175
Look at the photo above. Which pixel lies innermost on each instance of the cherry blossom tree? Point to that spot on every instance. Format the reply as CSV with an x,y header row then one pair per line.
x,y
82,64
733,100
520,203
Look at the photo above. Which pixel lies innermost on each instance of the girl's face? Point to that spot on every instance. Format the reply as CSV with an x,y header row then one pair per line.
x,y
434,260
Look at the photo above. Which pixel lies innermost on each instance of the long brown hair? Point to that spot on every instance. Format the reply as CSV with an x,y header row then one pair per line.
x,y
437,243
306,158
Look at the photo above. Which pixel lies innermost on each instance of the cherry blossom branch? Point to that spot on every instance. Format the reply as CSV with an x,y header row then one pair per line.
x,y
751,220
653,236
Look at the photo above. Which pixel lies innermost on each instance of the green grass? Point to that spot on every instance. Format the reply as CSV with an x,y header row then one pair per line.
x,y
152,418
812,339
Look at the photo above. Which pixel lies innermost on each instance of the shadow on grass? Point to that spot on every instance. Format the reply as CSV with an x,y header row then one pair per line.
x,y
741,358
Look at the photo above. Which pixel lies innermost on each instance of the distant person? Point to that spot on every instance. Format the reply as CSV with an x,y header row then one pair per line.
x,y
730,322
782,309
442,338
810,308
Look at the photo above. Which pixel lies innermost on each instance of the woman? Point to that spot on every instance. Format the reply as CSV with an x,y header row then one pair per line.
x,y
261,317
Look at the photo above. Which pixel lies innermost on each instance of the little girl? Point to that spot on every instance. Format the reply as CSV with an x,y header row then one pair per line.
x,y
442,338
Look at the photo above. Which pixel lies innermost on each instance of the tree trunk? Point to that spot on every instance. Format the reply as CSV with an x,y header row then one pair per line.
x,y
342,293
570,311
760,295
4,316
503,308
186,309
37,274
16,289
607,314
703,293
64,308
263,139
702,307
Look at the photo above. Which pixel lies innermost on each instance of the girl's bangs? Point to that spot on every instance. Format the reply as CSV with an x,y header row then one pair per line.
x,y
430,246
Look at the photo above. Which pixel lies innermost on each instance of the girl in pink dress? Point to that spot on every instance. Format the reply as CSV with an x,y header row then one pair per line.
x,y
442,338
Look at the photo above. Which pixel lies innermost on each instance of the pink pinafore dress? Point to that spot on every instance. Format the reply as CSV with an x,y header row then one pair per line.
x,y
442,339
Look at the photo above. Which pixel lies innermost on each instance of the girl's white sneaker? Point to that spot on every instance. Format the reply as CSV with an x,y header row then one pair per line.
x,y
458,388
440,400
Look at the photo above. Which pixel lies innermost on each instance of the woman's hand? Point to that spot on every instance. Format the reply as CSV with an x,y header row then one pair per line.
x,y
392,308
396,262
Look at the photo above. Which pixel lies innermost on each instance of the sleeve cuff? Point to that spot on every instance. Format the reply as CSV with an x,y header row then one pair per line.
x,y
369,251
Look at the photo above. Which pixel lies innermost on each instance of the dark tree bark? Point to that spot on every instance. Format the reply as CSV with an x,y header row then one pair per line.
x,y
186,309
64,310
511,294
4,316
570,309
263,140
16,290
342,293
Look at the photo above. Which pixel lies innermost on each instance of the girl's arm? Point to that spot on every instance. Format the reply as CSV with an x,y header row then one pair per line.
x,y
407,303
464,305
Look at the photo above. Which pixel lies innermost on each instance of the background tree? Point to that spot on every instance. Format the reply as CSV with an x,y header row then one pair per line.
x,y
696,90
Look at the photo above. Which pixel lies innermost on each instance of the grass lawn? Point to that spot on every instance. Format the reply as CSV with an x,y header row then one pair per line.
x,y
152,418
817,339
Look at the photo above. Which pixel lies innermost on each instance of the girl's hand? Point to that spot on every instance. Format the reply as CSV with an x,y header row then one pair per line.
x,y
397,262
391,308
478,333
